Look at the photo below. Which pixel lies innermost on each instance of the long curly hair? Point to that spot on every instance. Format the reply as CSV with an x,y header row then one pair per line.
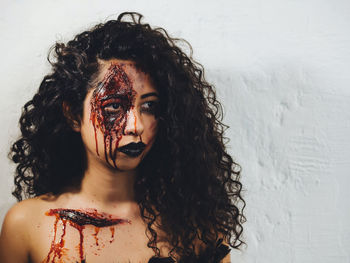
x,y
187,179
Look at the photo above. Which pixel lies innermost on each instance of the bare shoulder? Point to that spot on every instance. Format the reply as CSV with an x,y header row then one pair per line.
x,y
21,213
15,232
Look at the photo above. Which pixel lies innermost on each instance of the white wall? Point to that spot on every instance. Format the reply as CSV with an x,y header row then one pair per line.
x,y
281,68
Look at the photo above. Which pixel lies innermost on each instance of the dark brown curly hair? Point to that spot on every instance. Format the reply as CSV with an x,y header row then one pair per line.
x,y
188,177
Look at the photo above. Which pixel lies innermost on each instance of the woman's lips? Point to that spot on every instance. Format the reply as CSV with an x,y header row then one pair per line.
x,y
133,149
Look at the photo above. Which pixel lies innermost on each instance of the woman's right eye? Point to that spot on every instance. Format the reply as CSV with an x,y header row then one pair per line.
x,y
112,107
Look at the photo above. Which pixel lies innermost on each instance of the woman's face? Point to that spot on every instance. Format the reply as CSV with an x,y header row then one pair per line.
x,y
119,122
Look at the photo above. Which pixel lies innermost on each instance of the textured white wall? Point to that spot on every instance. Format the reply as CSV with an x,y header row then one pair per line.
x,y
282,70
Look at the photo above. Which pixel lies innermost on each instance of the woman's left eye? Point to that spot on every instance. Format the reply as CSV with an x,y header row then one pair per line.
x,y
149,107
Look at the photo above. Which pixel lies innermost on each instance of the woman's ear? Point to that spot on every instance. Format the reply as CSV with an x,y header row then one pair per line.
x,y
73,123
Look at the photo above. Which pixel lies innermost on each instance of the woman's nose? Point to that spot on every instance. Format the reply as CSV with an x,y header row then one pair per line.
x,y
134,124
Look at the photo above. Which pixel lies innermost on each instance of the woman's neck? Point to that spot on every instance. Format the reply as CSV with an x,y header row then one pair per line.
x,y
107,185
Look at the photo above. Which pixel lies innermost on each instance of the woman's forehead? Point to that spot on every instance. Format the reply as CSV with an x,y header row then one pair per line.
x,y
140,81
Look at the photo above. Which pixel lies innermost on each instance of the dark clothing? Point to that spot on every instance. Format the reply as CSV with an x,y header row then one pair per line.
x,y
207,256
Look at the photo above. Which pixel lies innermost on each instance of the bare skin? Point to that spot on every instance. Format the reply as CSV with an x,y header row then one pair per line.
x,y
27,233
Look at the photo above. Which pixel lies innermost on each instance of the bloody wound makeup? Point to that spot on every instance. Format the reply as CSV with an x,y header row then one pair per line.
x,y
79,219
110,102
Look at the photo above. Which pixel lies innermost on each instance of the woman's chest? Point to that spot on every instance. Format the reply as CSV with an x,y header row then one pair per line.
x,y
60,240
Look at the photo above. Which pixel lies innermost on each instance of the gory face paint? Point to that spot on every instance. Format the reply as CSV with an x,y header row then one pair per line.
x,y
110,103
79,219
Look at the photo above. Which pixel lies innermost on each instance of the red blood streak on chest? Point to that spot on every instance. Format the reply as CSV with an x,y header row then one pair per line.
x,y
112,234
97,229
78,219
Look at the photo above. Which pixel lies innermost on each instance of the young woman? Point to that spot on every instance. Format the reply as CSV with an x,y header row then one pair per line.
x,y
122,158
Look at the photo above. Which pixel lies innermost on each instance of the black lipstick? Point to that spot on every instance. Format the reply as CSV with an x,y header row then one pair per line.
x,y
133,149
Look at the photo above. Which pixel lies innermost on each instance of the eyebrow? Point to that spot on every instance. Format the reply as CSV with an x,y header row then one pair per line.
x,y
149,95
113,96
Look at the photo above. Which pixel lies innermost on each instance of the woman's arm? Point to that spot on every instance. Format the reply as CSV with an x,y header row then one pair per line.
x,y
14,237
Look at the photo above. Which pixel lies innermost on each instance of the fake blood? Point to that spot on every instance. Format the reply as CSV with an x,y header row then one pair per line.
x,y
97,229
112,234
78,219
115,88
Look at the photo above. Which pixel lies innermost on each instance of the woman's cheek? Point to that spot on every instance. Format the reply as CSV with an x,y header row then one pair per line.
x,y
152,129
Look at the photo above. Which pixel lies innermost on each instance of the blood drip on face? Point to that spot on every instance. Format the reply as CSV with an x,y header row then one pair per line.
x,y
116,86
78,219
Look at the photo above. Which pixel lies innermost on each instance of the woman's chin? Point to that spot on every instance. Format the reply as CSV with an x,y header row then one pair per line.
x,y
125,168
126,163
